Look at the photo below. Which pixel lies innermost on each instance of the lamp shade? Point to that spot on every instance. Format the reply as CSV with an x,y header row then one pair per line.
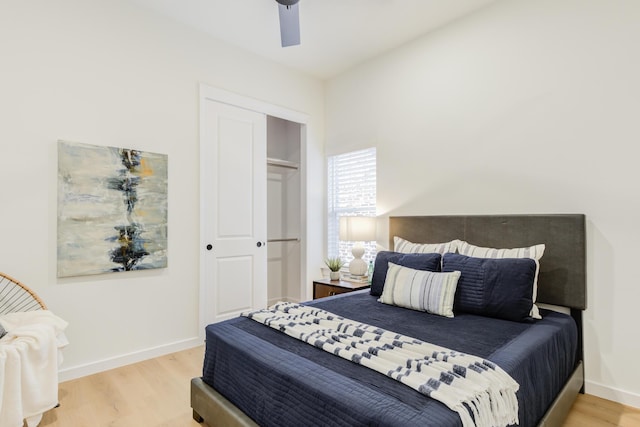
x,y
357,228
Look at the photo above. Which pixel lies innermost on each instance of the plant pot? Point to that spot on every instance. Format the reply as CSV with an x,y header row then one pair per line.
x,y
334,275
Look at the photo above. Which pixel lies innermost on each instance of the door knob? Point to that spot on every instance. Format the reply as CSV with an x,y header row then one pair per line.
x,y
259,244
209,246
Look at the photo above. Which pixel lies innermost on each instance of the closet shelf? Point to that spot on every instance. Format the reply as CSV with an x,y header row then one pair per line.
x,y
282,163
291,239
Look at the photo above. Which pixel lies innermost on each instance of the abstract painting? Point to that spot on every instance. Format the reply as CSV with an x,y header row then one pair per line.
x,y
112,209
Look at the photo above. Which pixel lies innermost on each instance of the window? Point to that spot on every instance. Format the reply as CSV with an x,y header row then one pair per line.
x,y
352,192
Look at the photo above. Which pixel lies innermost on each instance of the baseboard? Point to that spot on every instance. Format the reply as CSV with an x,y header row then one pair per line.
x,y
79,371
613,394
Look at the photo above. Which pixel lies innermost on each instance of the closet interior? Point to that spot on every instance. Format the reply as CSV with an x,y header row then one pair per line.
x,y
283,210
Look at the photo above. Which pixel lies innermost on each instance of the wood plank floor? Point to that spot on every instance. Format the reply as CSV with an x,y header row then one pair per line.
x,y
155,393
592,411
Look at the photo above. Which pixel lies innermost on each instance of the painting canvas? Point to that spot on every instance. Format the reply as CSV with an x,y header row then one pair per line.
x,y
112,209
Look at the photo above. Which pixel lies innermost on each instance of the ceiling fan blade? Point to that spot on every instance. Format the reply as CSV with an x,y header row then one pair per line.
x,y
289,25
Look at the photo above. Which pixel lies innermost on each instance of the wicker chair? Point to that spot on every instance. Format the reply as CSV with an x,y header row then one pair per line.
x,y
15,296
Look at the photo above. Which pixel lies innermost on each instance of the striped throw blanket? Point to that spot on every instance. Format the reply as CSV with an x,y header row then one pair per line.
x,y
479,391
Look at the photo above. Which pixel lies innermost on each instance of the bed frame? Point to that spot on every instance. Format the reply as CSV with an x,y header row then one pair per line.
x,y
561,282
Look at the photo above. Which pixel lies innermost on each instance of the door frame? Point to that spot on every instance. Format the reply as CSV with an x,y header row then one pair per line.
x,y
210,93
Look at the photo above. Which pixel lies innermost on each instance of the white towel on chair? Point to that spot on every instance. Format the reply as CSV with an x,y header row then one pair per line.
x,y
29,360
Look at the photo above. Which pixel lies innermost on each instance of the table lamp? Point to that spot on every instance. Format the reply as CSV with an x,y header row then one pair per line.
x,y
357,229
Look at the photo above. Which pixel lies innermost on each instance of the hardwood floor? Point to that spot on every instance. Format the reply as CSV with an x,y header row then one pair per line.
x,y
591,411
155,393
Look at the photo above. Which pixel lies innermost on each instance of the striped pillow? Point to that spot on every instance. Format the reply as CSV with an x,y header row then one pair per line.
x,y
420,290
428,262
407,247
534,252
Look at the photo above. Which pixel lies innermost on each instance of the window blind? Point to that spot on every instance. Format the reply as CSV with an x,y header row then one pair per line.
x,y
351,192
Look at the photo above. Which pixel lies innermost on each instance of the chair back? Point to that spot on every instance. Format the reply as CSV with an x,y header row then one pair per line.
x,y
15,296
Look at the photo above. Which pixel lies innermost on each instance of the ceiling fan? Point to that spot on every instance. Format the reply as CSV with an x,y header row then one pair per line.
x,y
289,22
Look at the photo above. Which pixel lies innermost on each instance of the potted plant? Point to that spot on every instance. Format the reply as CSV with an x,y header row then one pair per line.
x,y
334,264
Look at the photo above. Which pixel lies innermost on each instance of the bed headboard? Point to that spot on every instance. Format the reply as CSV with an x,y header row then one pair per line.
x,y
562,277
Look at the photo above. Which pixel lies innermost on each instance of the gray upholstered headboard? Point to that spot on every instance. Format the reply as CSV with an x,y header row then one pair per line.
x,y
562,278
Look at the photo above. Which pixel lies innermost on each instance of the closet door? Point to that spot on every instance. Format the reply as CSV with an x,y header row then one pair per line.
x,y
233,158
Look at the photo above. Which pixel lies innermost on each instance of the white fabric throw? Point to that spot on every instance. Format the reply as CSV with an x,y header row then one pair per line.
x,y
29,360
466,384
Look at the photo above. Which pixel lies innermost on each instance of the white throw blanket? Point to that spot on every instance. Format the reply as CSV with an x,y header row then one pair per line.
x,y
462,382
29,359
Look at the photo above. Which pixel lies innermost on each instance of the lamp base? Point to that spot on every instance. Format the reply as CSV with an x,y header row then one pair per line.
x,y
358,267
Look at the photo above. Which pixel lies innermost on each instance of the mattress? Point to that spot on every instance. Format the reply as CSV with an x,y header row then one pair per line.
x,y
280,381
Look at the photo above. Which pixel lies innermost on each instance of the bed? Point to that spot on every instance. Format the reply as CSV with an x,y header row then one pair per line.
x,y
254,375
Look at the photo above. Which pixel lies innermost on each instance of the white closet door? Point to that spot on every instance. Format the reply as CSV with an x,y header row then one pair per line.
x,y
233,150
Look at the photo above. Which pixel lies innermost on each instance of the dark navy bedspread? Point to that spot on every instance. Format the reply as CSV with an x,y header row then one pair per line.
x,y
280,381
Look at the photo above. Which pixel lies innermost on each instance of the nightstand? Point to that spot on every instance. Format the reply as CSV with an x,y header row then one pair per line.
x,y
326,288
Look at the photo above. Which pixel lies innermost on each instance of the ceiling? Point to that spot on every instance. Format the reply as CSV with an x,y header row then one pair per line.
x,y
335,34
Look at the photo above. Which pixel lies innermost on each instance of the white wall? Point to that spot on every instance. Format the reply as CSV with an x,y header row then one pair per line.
x,y
111,73
528,106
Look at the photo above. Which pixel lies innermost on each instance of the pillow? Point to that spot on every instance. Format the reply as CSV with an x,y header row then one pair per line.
x,y
407,247
3,332
534,252
430,262
420,290
493,287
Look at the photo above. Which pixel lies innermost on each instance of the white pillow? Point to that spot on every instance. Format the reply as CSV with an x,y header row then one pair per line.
x,y
534,252
420,290
407,247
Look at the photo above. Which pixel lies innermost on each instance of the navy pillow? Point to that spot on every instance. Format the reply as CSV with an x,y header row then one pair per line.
x,y
426,262
493,287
